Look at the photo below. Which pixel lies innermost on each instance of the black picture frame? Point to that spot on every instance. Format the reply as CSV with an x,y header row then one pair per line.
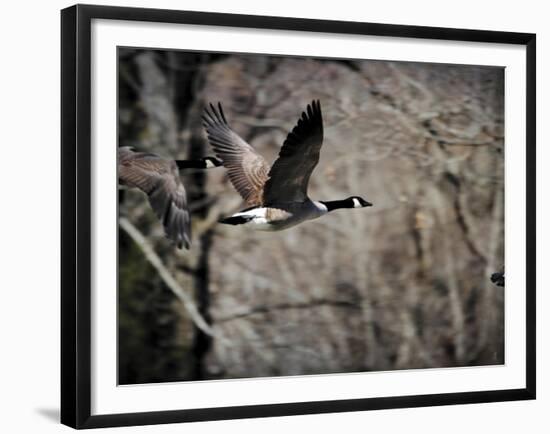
x,y
76,215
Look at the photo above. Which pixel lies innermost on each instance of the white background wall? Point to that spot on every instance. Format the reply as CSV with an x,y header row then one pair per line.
x,y
29,226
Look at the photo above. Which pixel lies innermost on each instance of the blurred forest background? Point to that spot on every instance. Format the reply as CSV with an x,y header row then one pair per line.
x,y
402,285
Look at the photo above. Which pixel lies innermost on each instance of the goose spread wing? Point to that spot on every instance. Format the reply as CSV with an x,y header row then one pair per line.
x,y
289,176
247,170
159,179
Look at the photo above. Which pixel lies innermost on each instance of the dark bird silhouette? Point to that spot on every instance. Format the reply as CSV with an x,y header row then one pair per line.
x,y
498,278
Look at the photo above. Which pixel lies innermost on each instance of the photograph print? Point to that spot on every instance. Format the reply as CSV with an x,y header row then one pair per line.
x,y
283,216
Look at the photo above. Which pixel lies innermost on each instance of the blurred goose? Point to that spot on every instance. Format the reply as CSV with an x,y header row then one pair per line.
x,y
158,177
277,196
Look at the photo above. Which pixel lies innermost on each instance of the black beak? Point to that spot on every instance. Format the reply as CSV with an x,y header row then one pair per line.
x,y
368,203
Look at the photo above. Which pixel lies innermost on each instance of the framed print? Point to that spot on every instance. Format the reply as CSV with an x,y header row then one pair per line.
x,y
267,216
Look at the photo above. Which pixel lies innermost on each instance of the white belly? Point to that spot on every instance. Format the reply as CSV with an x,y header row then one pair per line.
x,y
258,219
274,219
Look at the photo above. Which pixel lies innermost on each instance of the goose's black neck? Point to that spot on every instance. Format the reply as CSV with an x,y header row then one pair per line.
x,y
338,204
201,163
191,164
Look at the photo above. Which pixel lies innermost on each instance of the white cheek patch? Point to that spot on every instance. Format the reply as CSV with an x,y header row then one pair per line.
x,y
356,203
209,164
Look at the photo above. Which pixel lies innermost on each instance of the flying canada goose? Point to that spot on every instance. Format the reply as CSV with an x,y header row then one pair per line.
x,y
158,177
277,196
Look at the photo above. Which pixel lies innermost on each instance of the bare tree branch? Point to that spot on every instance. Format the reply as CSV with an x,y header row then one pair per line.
x,y
167,277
